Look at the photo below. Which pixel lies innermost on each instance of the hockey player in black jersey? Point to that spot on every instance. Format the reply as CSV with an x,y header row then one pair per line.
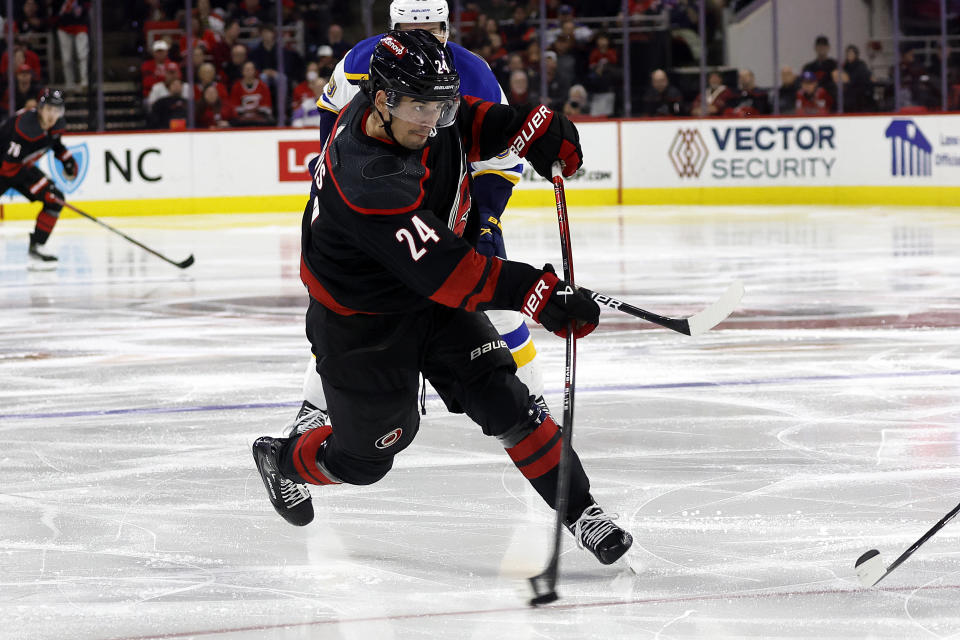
x,y
25,137
396,288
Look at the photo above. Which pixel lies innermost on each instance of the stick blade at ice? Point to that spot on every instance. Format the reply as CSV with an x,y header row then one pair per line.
x,y
870,568
718,311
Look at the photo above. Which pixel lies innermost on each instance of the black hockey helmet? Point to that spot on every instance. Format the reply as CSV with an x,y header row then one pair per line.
x,y
415,64
51,97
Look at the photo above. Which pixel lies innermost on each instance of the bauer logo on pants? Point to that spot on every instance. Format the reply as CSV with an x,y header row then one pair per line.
x,y
81,155
390,439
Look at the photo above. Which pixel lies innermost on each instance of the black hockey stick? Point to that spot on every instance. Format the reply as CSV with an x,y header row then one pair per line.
x,y
692,326
869,566
545,584
183,265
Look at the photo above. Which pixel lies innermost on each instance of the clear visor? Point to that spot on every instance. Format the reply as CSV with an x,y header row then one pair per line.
x,y
426,113
53,111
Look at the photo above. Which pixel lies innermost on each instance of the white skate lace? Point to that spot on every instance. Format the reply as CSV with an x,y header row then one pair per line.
x,y
293,493
593,526
310,420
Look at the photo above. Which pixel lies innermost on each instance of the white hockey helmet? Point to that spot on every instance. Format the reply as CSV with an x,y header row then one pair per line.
x,y
414,11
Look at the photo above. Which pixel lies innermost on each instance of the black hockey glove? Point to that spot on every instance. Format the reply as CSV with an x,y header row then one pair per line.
x,y
554,303
490,242
70,168
547,137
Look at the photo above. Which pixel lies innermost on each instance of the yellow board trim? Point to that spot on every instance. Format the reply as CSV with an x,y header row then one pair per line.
x,y
852,196
525,354
169,206
512,177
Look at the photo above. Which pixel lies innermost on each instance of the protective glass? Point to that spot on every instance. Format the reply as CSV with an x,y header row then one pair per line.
x,y
425,113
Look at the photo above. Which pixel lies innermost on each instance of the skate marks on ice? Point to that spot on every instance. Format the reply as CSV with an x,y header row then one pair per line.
x,y
752,464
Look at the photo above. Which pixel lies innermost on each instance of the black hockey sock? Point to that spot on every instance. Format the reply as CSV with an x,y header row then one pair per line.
x,y
537,455
44,226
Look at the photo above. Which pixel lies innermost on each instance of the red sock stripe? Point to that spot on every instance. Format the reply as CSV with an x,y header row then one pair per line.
x,y
305,455
535,441
544,464
46,222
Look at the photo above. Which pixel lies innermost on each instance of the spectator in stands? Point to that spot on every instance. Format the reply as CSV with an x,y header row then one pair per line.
x,y
910,68
506,66
520,94
517,36
497,51
556,88
493,28
234,69
325,61
249,14
162,89
304,90
22,55
203,11
153,10
787,94
857,83
206,78
212,111
73,35
336,42
812,99
250,99
307,113
823,65
265,53
661,99
26,89
197,59
35,19
152,71
220,39
604,77
718,97
925,92
578,101
475,36
171,108
568,67
749,100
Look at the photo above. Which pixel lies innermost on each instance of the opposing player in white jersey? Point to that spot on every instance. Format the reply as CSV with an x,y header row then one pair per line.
x,y
493,180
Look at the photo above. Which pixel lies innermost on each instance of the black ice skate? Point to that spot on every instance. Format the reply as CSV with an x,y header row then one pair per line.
x,y
596,532
38,256
291,500
309,417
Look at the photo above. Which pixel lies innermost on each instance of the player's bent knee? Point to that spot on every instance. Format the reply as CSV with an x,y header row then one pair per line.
x,y
500,402
369,472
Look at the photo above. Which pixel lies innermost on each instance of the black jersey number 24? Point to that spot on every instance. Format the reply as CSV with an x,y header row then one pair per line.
x,y
426,233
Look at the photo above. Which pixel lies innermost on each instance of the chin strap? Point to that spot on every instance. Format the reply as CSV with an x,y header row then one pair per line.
x,y
386,125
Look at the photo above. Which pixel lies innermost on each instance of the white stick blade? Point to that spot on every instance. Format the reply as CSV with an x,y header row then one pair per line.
x,y
870,568
718,311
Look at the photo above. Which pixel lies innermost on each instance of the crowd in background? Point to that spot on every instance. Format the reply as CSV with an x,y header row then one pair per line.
x,y
239,80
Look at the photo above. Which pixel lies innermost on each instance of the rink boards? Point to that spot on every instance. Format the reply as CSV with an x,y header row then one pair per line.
x,y
881,159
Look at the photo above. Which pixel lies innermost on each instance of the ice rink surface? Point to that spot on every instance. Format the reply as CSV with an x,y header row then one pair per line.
x,y
753,464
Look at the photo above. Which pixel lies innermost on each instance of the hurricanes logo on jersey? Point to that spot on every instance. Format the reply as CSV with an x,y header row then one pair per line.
x,y
81,155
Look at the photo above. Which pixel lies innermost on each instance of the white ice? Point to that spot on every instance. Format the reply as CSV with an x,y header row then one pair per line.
x,y
753,464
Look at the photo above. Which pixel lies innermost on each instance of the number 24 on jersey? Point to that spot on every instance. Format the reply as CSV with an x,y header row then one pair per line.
x,y
426,233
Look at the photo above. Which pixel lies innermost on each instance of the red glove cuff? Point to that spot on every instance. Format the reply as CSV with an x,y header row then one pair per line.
x,y
536,124
570,158
536,298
